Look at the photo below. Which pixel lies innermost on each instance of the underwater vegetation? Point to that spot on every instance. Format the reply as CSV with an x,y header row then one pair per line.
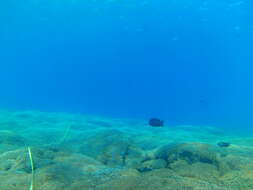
x,y
60,151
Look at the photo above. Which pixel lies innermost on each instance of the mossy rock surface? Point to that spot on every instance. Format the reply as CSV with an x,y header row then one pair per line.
x,y
113,148
150,165
77,152
9,137
190,152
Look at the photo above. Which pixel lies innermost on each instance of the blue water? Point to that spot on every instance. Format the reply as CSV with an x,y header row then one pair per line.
x,y
184,61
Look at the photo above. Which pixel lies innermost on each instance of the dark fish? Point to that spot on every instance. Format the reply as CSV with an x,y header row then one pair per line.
x,y
223,144
155,122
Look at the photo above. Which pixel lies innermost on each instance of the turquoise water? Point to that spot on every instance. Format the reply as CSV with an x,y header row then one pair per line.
x,y
187,62
80,80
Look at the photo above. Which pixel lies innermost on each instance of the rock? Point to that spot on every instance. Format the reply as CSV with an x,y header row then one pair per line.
x,y
84,163
17,160
113,148
239,180
152,165
192,153
11,138
207,172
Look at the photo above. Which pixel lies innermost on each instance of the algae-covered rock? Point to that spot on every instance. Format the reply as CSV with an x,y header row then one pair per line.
x,y
14,181
190,152
162,179
61,173
152,165
18,160
11,138
113,148
73,152
82,162
239,180
207,172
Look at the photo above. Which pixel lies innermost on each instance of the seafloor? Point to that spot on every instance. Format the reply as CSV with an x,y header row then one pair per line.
x,y
83,152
